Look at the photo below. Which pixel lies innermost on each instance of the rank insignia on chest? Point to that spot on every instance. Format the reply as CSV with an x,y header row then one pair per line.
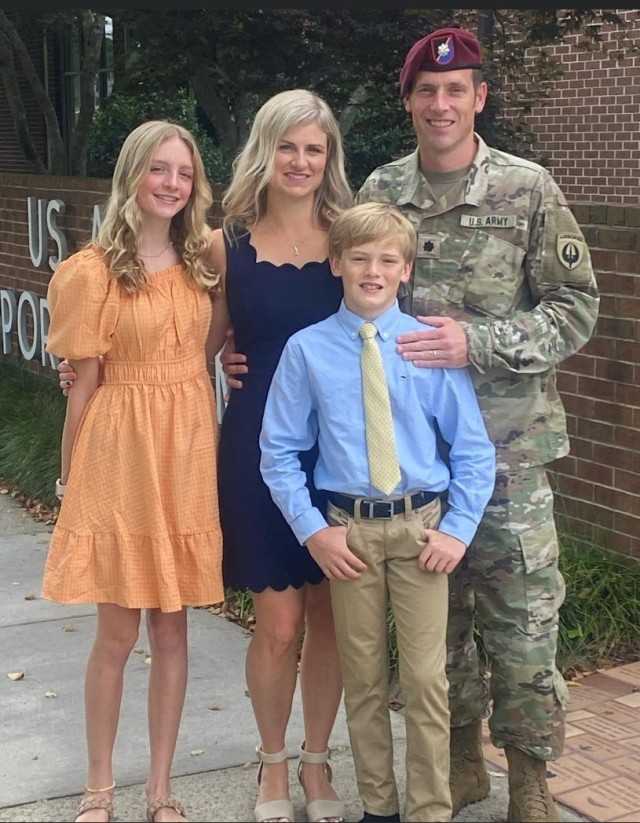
x,y
429,245
570,250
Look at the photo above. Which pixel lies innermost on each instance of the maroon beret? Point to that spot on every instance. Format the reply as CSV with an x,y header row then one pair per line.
x,y
442,50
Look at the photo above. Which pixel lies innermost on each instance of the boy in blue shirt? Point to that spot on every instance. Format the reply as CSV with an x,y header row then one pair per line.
x,y
374,544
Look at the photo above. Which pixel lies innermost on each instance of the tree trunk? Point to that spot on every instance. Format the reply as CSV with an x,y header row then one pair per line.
x,y
227,124
91,27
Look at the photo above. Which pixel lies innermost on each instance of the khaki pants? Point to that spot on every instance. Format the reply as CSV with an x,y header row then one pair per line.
x,y
390,548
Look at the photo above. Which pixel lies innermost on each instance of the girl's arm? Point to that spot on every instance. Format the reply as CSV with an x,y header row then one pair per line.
x,y
220,321
83,388
220,325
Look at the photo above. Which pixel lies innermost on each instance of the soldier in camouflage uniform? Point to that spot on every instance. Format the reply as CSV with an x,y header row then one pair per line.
x,y
505,276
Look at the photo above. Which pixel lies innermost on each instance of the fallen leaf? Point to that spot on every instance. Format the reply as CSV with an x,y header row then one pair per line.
x,y
196,752
69,627
248,765
214,707
51,694
138,651
147,660
30,596
15,675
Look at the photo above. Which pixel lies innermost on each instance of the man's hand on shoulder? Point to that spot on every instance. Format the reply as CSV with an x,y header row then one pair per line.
x,y
329,549
444,346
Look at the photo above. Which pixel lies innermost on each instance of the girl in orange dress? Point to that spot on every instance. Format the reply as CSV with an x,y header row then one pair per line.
x,y
138,526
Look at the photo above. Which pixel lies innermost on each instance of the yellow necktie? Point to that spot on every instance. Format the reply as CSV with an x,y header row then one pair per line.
x,y
384,471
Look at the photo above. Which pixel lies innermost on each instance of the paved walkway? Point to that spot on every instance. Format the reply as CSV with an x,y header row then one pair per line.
x,y
42,767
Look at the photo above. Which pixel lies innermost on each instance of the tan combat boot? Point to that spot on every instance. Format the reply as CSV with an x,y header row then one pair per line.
x,y
468,780
530,800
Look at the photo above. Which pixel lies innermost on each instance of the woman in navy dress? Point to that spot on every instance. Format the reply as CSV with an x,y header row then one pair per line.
x,y
288,185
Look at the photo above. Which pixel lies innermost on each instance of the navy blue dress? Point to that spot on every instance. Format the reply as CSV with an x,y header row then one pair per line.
x,y
267,304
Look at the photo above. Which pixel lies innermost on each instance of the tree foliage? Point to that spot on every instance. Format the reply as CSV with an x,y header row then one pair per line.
x,y
231,61
121,113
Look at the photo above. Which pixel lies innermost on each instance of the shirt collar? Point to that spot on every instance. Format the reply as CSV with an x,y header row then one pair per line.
x,y
385,323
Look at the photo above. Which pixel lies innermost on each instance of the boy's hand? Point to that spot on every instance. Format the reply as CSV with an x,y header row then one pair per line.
x,y
232,362
329,549
442,552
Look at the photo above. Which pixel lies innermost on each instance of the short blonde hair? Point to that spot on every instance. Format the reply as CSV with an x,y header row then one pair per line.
x,y
369,222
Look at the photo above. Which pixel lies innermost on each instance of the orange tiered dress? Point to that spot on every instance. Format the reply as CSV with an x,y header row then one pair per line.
x,y
139,524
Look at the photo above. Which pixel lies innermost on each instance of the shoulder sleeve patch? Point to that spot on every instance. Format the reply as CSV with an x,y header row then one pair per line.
x,y
570,250
565,256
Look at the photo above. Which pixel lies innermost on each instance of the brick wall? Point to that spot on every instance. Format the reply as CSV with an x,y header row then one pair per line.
x,y
590,125
598,484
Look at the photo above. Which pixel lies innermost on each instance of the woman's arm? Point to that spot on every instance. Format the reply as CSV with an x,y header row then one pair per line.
x,y
84,386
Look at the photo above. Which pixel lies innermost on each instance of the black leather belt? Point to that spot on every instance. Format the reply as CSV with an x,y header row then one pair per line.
x,y
380,508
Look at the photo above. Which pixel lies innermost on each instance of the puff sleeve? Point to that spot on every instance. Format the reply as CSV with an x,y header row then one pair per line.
x,y
83,307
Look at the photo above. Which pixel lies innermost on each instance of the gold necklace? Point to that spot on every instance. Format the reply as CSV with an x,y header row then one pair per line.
x,y
294,246
159,254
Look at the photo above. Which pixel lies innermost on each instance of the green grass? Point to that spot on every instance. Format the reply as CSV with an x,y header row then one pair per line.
x,y
599,620
32,410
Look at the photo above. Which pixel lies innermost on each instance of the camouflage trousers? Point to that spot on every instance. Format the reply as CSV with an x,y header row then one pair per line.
x,y
508,585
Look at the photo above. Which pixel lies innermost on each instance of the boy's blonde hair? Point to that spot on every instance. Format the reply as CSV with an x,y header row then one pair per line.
x,y
368,222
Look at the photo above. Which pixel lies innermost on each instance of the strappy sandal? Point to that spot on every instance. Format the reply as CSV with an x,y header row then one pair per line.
x,y
88,803
321,810
272,811
164,803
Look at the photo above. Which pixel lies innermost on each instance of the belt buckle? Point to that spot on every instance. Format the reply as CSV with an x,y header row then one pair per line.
x,y
389,504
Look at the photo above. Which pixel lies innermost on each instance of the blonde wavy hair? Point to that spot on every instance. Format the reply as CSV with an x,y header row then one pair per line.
x,y
245,199
120,229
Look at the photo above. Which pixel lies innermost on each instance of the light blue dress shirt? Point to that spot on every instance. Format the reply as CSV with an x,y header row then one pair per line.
x,y
316,393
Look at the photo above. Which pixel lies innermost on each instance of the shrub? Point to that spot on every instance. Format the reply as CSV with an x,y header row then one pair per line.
x,y
121,113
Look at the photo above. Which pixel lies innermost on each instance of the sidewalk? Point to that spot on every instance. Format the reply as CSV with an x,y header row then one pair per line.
x,y
42,768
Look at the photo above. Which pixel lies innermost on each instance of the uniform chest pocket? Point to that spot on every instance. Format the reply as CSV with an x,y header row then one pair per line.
x,y
492,275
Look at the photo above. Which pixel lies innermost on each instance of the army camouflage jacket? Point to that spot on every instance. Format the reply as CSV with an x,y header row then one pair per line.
x,y
503,254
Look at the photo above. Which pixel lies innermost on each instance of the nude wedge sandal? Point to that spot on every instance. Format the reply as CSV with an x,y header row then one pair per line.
x,y
272,811
320,810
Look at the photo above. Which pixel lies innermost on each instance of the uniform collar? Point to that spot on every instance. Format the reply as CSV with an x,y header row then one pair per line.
x,y
415,189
